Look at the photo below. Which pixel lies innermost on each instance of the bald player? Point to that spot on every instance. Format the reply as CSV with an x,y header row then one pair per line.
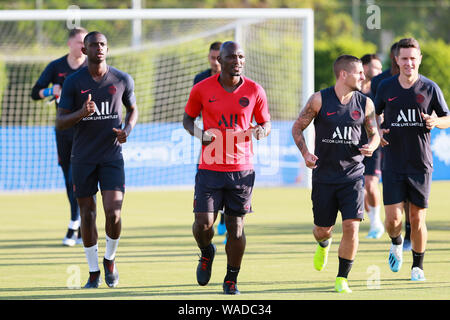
x,y
228,103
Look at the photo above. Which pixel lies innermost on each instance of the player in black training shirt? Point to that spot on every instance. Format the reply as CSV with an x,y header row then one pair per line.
x,y
392,71
91,102
407,102
214,51
340,113
372,165
55,73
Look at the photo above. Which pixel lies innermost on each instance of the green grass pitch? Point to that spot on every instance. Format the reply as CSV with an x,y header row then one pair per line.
x,y
157,255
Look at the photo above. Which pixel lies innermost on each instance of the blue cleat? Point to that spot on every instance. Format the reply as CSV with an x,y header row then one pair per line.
x,y
204,267
229,287
375,232
406,245
94,280
221,228
111,273
396,257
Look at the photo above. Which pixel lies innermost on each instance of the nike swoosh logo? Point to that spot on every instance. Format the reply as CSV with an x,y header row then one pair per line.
x,y
392,99
211,100
84,91
330,113
62,74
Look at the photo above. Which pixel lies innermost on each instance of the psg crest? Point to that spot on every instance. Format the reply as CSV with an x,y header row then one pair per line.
x,y
244,102
355,114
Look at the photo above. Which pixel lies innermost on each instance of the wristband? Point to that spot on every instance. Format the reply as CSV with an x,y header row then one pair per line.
x,y
48,92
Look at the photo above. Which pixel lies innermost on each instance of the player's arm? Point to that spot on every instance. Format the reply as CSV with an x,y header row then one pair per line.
x,y
205,137
308,113
380,103
261,115
131,117
261,130
130,121
65,118
41,88
371,127
439,105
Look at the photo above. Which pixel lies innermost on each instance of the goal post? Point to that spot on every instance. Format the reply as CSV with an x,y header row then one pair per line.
x,y
163,49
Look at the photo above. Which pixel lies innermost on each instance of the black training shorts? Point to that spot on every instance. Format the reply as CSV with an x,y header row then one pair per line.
x,y
328,199
86,177
399,187
232,191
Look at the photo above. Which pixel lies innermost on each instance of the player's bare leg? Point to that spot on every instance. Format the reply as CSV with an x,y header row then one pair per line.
x,y
323,238
372,206
203,231
112,204
234,248
419,235
393,224
88,214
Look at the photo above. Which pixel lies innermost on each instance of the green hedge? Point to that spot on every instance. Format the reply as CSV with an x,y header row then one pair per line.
x,y
3,81
435,59
326,52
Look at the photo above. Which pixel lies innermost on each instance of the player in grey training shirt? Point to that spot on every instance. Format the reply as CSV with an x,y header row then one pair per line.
x,y
91,102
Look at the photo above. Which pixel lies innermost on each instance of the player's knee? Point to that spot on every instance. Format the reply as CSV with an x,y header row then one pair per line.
x,y
112,214
203,224
322,233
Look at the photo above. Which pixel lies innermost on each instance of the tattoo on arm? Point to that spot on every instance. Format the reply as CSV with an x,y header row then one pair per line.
x,y
308,113
370,121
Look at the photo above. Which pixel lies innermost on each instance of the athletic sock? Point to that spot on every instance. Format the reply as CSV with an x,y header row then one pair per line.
x,y
374,215
397,240
232,274
74,224
345,266
208,251
418,259
111,248
92,258
407,230
324,243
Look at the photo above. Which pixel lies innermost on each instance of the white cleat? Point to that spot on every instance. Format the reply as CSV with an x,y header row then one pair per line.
x,y
417,274
396,257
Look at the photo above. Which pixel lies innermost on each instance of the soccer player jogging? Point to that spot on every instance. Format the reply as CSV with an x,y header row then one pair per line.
x,y
55,73
214,51
91,102
228,102
392,71
372,165
340,113
407,102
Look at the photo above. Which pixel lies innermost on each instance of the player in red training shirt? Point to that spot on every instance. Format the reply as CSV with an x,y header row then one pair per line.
x,y
228,102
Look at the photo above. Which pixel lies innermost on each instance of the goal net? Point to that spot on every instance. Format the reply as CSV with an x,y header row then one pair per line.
x,y
163,50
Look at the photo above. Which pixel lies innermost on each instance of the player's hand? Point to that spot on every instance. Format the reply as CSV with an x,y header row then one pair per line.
x,y
56,91
207,137
121,135
430,121
310,160
88,107
366,150
382,132
258,131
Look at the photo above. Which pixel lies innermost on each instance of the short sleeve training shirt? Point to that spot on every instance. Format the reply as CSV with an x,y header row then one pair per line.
x,y
94,138
409,148
228,116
